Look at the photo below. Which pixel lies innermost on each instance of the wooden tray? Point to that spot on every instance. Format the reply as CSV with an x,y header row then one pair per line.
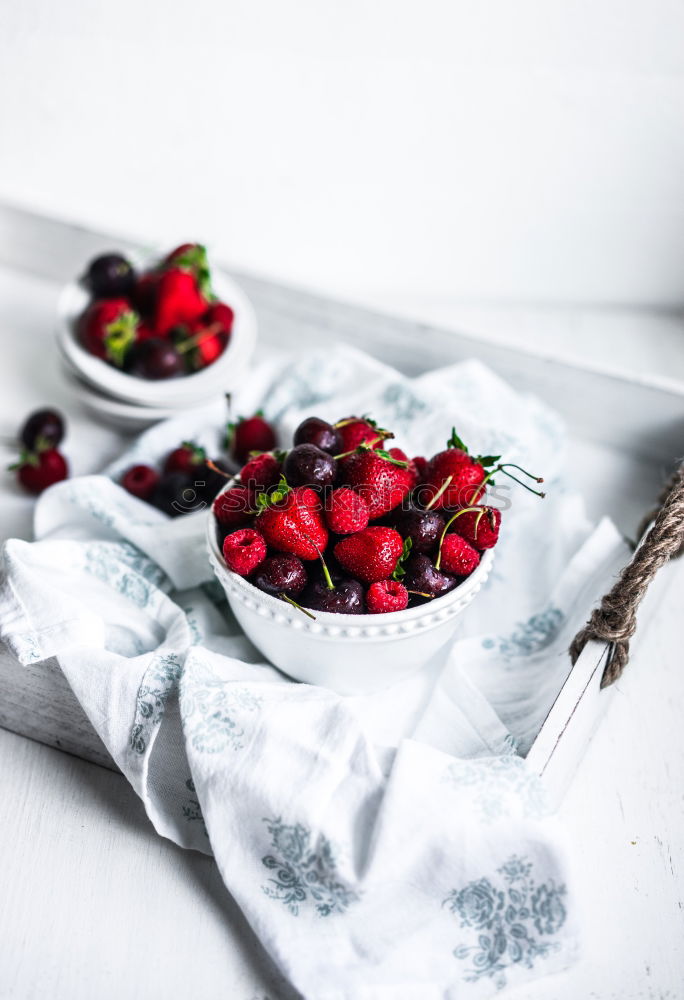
x,y
626,435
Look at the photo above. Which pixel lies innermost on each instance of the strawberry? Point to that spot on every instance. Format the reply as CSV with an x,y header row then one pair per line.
x,y
210,345
291,521
244,550
382,479
370,555
179,300
145,332
453,476
355,431
233,507
346,511
250,434
420,464
403,457
478,525
36,470
107,329
185,459
386,595
192,257
140,481
261,471
456,555
219,312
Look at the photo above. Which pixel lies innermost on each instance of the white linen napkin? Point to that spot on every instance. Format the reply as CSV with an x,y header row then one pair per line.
x,y
385,846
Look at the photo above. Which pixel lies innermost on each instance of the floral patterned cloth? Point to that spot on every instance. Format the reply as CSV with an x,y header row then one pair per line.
x,y
390,846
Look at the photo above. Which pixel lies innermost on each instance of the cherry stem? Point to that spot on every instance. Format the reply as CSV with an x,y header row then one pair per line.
x,y
480,510
294,604
512,465
187,345
364,446
445,486
326,572
419,593
215,468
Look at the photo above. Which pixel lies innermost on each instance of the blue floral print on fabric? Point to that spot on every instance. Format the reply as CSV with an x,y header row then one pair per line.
x,y
529,637
511,918
304,872
158,681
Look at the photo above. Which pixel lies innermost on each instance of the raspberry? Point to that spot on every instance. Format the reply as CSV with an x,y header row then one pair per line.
x,y
387,595
458,556
244,550
346,511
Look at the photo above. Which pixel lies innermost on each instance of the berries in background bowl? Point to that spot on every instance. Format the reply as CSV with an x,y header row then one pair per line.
x,y
163,323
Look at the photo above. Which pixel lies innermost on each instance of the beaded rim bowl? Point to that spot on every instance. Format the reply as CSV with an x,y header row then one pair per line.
x,y
379,626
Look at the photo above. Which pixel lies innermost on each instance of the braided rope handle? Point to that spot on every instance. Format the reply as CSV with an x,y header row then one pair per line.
x,y
614,620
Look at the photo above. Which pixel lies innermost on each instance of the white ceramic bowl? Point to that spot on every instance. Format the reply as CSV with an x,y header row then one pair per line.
x,y
221,376
125,416
352,654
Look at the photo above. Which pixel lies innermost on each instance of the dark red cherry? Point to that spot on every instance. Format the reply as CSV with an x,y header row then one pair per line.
x,y
110,276
43,428
283,574
346,599
422,577
307,465
423,527
313,430
154,359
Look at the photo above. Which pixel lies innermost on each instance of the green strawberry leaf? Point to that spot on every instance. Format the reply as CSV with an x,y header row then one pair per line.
x,y
400,568
456,442
25,458
198,454
274,495
229,435
195,260
390,458
487,461
120,335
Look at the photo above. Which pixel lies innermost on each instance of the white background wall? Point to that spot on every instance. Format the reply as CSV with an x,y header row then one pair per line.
x,y
506,149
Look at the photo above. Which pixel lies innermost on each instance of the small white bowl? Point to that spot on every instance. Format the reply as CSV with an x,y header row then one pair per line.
x,y
352,654
221,376
126,417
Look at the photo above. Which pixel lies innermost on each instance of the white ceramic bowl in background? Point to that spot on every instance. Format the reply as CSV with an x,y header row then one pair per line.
x,y
352,654
221,376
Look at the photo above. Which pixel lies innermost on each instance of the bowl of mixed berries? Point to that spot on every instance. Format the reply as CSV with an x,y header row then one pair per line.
x,y
345,561
160,332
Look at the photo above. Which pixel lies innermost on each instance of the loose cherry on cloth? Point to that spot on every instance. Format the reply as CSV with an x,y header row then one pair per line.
x,y
310,779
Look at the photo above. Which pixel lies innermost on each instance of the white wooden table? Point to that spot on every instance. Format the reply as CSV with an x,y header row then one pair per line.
x,y
76,846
